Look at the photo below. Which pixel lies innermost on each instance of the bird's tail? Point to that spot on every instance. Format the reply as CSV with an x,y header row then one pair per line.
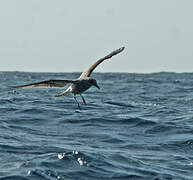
x,y
63,94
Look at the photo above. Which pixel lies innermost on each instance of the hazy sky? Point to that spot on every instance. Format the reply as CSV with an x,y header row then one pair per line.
x,y
67,36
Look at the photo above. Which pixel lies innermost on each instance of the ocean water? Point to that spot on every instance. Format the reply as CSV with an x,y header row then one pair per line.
x,y
137,126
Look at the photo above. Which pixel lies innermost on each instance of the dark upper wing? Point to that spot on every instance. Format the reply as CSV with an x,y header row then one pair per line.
x,y
47,84
88,72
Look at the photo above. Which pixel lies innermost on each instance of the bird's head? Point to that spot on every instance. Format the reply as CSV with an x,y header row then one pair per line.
x,y
93,82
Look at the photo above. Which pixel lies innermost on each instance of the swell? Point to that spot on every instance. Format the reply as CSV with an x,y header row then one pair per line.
x,y
138,126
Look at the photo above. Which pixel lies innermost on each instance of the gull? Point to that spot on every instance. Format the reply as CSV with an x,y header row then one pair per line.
x,y
79,85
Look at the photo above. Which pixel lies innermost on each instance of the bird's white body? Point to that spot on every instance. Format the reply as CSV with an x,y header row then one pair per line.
x,y
80,86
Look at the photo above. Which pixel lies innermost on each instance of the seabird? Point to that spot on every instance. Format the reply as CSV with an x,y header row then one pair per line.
x,y
78,86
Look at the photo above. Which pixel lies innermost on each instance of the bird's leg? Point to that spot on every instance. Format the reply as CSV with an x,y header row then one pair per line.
x,y
84,102
77,102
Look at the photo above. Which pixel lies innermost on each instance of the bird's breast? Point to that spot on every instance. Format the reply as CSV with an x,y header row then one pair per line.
x,y
80,87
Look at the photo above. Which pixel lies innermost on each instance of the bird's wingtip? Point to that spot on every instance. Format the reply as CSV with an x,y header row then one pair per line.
x,y
122,48
118,50
14,86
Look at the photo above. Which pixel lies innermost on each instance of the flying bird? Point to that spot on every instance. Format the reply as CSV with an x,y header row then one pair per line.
x,y
79,85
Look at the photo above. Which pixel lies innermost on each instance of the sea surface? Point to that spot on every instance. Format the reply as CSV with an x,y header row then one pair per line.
x,y
136,127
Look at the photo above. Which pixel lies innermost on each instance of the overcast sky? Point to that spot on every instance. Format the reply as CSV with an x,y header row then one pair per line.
x,y
67,36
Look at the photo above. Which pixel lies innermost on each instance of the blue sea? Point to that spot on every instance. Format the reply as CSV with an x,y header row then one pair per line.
x,y
136,127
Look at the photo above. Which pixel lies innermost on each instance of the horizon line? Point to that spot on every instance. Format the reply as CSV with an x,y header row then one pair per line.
x,y
100,72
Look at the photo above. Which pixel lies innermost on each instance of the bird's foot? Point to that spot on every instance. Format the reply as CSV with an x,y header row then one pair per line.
x,y
84,102
79,107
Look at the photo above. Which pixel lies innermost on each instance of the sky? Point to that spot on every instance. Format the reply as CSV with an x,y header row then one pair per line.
x,y
69,35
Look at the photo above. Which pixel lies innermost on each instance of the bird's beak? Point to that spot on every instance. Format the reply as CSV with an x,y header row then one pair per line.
x,y
96,85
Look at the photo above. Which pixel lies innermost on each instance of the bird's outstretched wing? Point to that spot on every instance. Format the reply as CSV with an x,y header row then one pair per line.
x,y
88,72
47,84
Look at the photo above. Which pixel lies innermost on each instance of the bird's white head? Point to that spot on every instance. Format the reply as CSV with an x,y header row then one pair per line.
x,y
93,82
